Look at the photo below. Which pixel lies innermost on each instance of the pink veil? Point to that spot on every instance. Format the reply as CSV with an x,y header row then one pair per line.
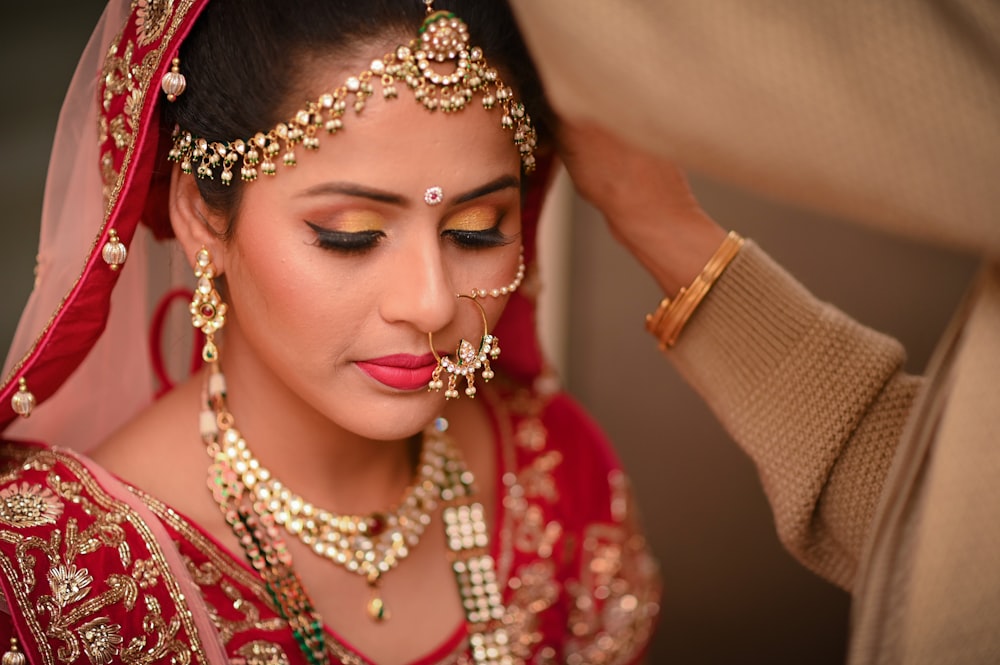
x,y
81,342
72,219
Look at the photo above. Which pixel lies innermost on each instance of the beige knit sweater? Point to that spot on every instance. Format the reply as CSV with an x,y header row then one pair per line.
x,y
817,401
886,112
882,482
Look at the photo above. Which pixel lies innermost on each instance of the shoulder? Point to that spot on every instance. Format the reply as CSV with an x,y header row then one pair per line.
x,y
85,579
574,526
553,436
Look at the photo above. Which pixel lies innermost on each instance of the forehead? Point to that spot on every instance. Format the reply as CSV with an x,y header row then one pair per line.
x,y
399,142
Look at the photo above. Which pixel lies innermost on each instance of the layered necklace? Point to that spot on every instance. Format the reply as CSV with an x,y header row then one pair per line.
x,y
258,507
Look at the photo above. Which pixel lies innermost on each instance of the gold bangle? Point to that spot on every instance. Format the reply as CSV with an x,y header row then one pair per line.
x,y
672,315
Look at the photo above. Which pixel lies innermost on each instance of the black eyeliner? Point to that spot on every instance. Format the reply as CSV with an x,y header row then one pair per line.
x,y
345,241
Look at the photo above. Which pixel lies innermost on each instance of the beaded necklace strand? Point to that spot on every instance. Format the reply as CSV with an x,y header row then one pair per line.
x,y
258,519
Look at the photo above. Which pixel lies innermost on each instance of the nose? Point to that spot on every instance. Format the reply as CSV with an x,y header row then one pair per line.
x,y
421,293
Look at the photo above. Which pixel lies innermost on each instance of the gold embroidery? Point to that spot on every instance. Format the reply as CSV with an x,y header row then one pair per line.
x,y
101,639
531,434
533,590
69,584
250,612
613,605
534,535
263,653
151,18
121,136
117,72
616,598
74,618
146,573
133,105
138,653
533,585
108,174
27,505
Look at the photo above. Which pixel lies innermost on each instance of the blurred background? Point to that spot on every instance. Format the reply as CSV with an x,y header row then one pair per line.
x,y
732,594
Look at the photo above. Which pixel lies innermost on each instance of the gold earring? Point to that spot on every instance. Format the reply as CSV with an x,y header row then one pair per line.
x,y
208,312
470,359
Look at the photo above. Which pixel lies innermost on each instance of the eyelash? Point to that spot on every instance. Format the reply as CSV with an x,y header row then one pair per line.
x,y
346,242
359,242
484,239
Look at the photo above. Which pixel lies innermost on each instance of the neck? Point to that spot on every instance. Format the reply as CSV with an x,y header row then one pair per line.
x,y
328,465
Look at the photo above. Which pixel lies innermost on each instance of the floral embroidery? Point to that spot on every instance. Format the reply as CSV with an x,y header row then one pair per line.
x,y
119,133
531,435
610,607
141,652
133,104
145,572
69,584
259,652
101,640
82,613
616,597
150,19
117,73
28,505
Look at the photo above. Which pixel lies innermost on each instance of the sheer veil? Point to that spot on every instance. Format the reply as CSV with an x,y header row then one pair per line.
x,y
115,380
81,343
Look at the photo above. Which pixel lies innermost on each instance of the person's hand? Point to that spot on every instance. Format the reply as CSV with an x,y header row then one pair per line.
x,y
646,201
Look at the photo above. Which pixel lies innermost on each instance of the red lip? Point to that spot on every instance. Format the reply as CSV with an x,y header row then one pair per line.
x,y
401,371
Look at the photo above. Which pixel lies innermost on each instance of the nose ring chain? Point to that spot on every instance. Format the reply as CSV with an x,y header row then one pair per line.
x,y
469,357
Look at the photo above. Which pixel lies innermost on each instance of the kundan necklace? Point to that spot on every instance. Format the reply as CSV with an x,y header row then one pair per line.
x,y
256,506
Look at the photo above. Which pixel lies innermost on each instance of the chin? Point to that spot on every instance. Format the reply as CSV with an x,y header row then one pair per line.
x,y
392,417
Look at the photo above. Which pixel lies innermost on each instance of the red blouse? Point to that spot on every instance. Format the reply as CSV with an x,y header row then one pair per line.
x,y
85,581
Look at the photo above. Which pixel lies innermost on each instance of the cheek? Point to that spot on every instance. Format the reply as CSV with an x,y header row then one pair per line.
x,y
283,287
484,271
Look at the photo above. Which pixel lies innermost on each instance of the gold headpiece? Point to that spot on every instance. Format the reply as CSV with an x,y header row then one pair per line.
x,y
442,38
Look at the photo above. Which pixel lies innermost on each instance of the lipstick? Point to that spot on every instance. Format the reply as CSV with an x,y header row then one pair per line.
x,y
401,371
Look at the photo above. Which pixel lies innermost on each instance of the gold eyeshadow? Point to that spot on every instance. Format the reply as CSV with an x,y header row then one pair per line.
x,y
479,218
355,221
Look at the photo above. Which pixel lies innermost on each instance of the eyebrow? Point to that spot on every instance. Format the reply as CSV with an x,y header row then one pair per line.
x,y
382,196
352,189
503,182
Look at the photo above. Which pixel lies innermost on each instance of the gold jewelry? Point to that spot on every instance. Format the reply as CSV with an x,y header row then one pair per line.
x,y
114,251
442,38
470,360
13,656
671,316
208,311
255,525
23,401
173,82
433,196
503,290
369,545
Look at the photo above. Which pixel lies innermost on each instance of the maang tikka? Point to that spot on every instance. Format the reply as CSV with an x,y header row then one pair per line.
x,y
208,311
442,43
470,358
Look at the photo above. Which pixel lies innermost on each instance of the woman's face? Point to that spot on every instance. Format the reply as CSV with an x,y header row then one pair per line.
x,y
338,268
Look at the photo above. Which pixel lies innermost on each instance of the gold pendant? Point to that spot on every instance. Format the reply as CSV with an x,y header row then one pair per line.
x,y
376,607
12,656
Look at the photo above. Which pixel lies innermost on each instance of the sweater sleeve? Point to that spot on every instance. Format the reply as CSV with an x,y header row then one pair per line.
x,y
815,399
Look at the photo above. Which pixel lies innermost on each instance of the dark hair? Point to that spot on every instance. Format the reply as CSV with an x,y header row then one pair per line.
x,y
242,56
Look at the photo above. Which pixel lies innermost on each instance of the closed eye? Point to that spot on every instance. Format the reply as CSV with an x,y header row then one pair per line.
x,y
491,237
347,242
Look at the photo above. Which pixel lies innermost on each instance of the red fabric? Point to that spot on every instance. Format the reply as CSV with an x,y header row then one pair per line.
x,y
80,320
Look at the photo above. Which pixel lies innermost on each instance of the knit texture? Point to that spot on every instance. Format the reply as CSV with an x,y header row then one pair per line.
x,y
816,400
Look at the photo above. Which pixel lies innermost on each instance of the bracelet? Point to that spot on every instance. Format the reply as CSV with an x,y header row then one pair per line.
x,y
672,315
